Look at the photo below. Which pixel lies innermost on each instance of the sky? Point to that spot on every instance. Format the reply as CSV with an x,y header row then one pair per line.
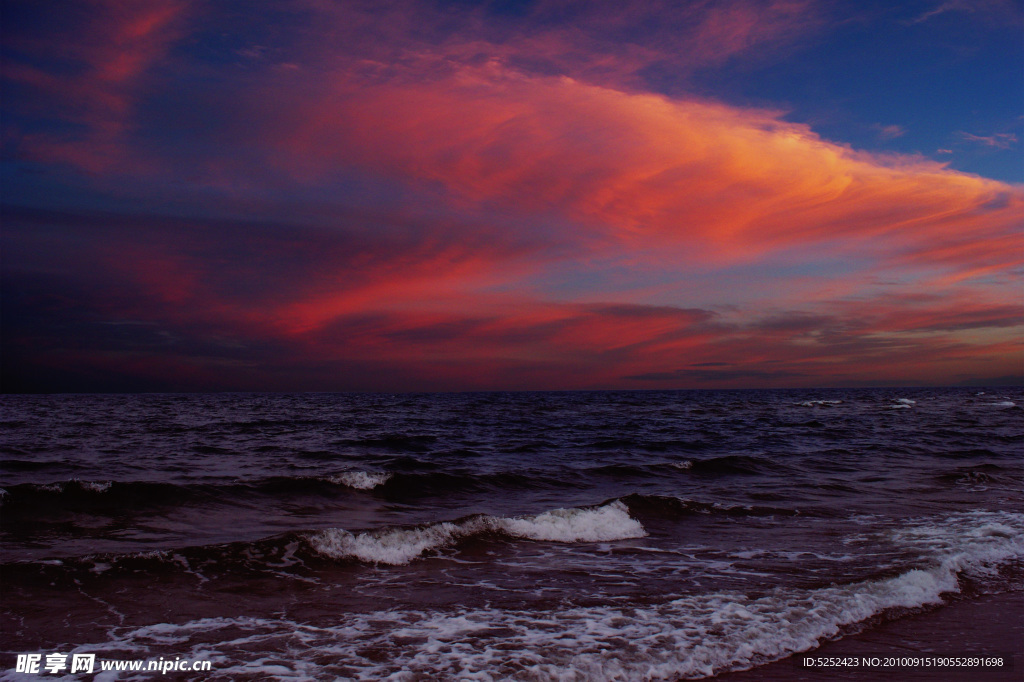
x,y
307,195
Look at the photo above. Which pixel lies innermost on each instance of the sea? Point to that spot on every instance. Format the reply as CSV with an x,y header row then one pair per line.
x,y
606,535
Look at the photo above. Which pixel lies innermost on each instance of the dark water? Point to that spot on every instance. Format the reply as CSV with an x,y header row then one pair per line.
x,y
534,536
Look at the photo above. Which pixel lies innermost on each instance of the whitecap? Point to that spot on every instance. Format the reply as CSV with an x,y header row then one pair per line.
x,y
95,486
401,545
360,480
699,635
395,546
610,522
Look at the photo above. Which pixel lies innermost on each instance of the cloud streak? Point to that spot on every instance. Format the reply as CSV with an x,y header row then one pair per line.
x,y
88,73
697,177
998,140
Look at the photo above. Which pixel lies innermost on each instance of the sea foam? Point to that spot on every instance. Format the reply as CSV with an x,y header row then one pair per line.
x,y
696,636
73,484
401,545
360,480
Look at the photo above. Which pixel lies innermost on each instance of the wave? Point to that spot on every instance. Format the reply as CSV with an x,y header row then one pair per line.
x,y
98,495
696,636
648,445
978,475
359,480
32,465
612,520
394,545
394,442
40,501
736,464
401,545
725,465
77,493
400,482
674,507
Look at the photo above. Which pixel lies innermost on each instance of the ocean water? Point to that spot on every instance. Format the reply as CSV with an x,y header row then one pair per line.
x,y
525,536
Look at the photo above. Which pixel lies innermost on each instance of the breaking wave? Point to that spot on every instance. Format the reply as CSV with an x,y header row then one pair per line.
x,y
401,545
696,636
359,480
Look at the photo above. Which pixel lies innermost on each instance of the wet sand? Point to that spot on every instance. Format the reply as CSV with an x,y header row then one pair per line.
x,y
991,625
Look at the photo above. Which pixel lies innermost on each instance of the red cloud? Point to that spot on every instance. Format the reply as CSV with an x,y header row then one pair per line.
x,y
91,74
695,179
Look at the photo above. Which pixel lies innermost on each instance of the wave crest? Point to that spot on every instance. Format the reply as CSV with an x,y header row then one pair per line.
x,y
360,480
401,545
699,635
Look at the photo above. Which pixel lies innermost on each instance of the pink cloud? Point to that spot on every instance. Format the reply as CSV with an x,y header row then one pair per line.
x,y
889,132
997,140
91,79
698,179
593,41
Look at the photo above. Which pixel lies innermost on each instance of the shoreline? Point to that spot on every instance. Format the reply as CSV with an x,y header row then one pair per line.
x,y
989,625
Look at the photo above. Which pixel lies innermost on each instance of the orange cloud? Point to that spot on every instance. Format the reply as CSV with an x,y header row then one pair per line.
x,y
696,179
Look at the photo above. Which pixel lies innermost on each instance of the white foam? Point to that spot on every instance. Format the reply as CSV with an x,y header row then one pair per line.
x,y
91,486
969,540
610,522
900,406
791,556
95,486
360,480
400,545
696,636
812,403
906,401
1004,403
397,546
685,464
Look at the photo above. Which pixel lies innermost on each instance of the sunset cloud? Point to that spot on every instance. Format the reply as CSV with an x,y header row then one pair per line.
x,y
889,132
396,198
699,179
88,73
997,140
